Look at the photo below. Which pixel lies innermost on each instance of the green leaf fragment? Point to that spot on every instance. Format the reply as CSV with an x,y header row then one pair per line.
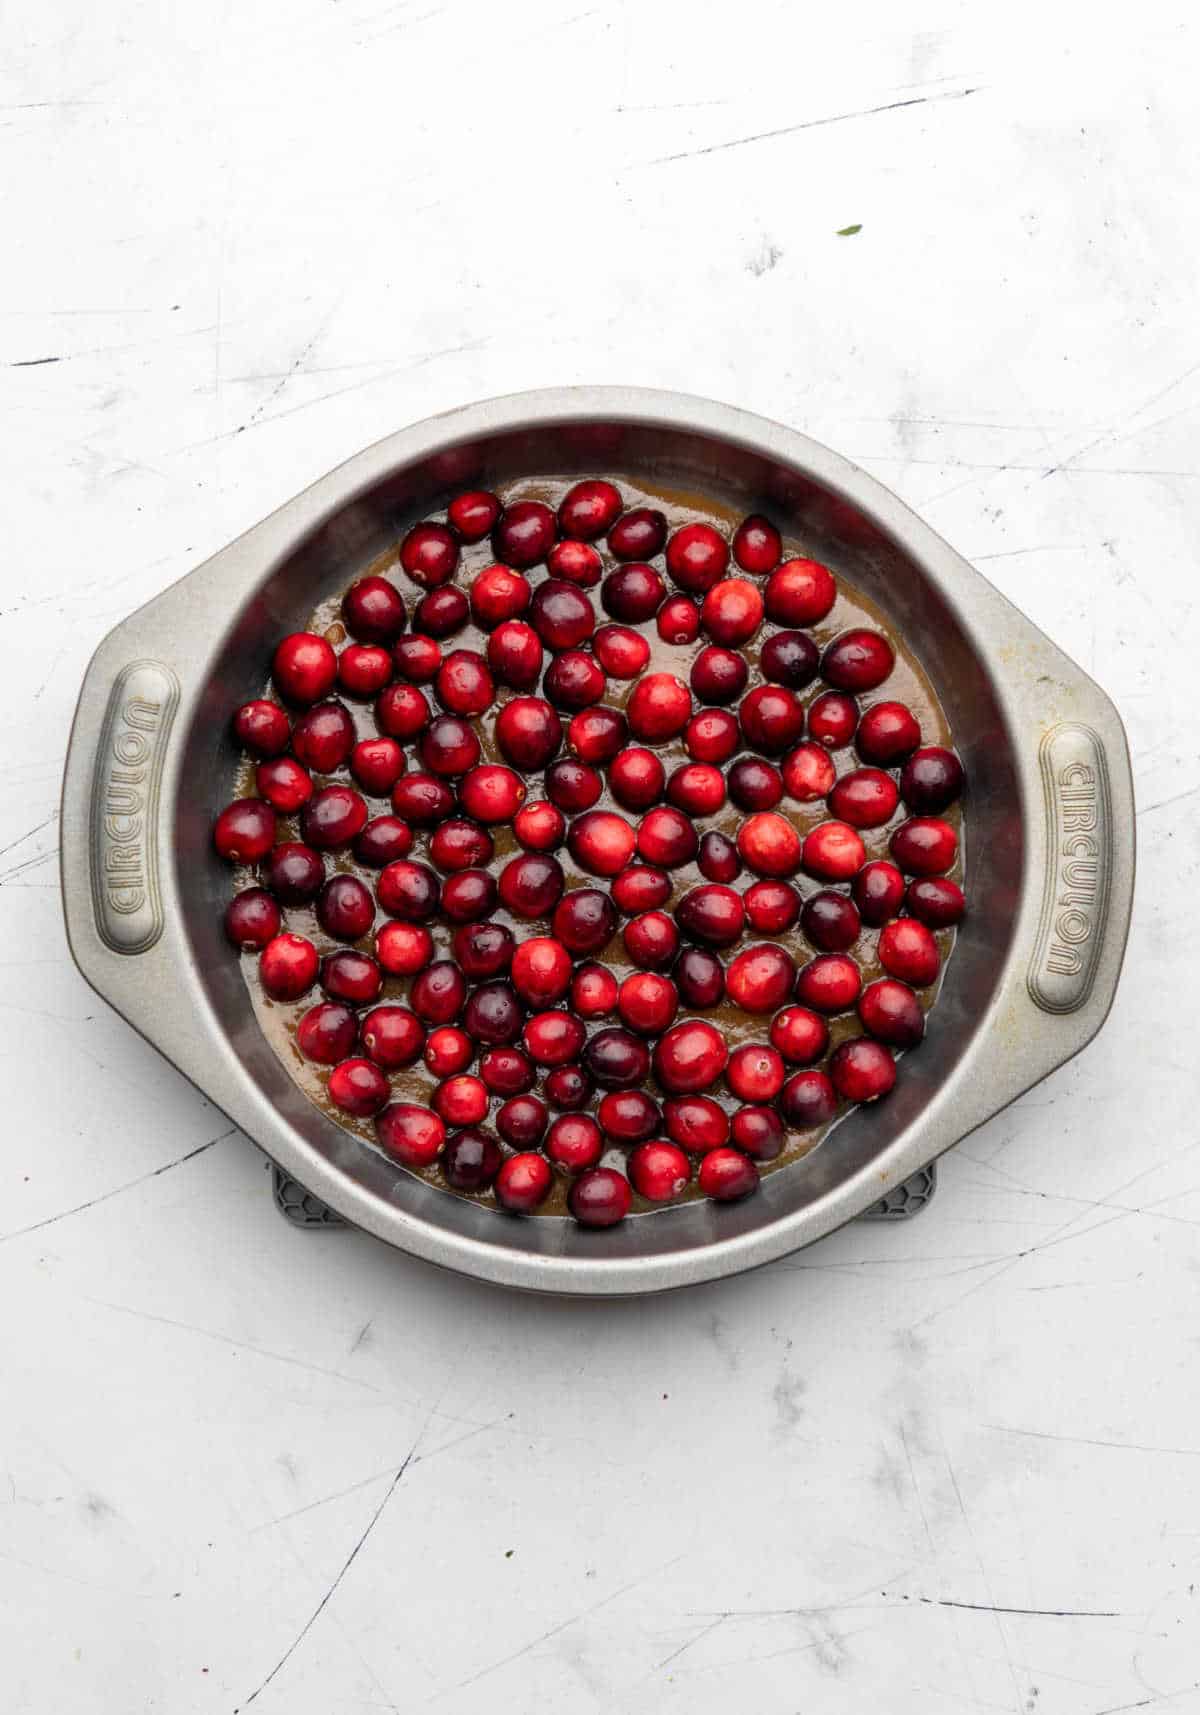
x,y
849,231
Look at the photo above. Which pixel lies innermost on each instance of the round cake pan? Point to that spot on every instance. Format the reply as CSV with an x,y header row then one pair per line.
x,y
1049,821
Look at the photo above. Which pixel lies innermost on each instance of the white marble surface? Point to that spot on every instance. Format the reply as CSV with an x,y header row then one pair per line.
x,y
942,1466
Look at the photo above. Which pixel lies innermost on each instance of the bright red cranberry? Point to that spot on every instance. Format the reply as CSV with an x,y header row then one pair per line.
x,y
416,658
575,1142
410,1134
523,1183
718,859
507,1071
284,783
497,595
429,554
830,921
524,533
616,1059
596,735
531,885
758,1133
573,786
245,830
833,852
651,940
887,733
808,773
448,1051
601,842
353,977
862,1070
622,653
891,1011
262,727
727,1175
755,1072
772,718
304,667
438,992
483,949
772,907
472,515
866,798
422,799
294,873
628,1116
633,593
648,1002
471,1160
358,1087
678,620
327,1033
640,888
600,1197
373,610
540,827
574,680
528,733
568,1088
659,1171
700,977
760,978
690,1057
878,891
808,1100
757,545
364,668
345,908
936,902
718,675
463,684
801,1036
696,1123
667,838
712,914
924,846
553,1038
636,778
252,918
800,592
832,719
858,660
468,896
909,950
712,735
829,983
769,844
697,788
575,563
377,764
638,534
403,948
593,991
401,711
541,971
733,612
561,614
659,708
409,890
442,612
697,556
393,1037
755,784
790,658
588,510
931,780
522,1121
491,793
449,745
461,1101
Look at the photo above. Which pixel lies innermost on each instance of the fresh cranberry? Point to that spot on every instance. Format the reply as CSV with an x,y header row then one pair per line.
x,y
878,891
733,612
808,1100
373,610
575,562
651,940
522,1121
757,545
593,991
572,786
540,827
696,1123
638,534
574,1141
574,680
410,1134
483,949
401,711
358,1087
636,778
353,977
718,675
800,592
640,888
891,1011
760,978
327,1033
648,1002
422,799
345,908
931,780
727,1175
588,510
448,1051
667,838
659,707
429,554
416,658
866,798
507,1071
304,667
463,684
718,858
697,556
468,896
755,784
830,921
772,907
801,1035
263,727
790,658
393,1036
442,612
698,788
769,844
498,594
409,891
858,660
524,533
832,719
678,620
600,1197
616,1059
284,783
562,615
568,1088
833,852
531,885
758,1132
252,918
659,1171
690,1057
528,733
887,733
553,1038
473,514
438,992
772,718
622,653
936,902
449,745
829,983
755,1072
712,914
808,773
601,842
491,793
924,846
403,948
523,1183
294,873
908,949
633,593
628,1116
245,830
712,735
471,1160
699,977
364,668
377,764
541,970
862,1070
461,1101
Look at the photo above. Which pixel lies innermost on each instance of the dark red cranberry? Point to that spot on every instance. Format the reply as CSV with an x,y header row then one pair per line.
x,y
588,510
772,907
830,921
304,668
758,1132
585,920
593,991
718,859
491,793
678,620
640,888
561,614
245,830
718,675
442,612
377,764
697,556
808,773
401,711
638,534
832,719
862,1070
633,593
866,798
712,914
574,680
333,817
622,653
327,1033
808,1100
891,1011
409,891
473,514
712,735
667,838
659,1171
636,778
690,1057
757,545
936,902
468,896
601,842
651,940
576,562
772,719
755,784
373,610
498,594
403,948
732,612
887,733
416,658
422,799
393,1036
531,885
540,827
449,745
448,1051
541,970
567,1088
461,1100
410,1134
572,786
263,727
628,1116
727,1175
769,844
600,1197
696,1123
760,978
524,533
484,949
522,1121
294,873
909,950
345,908
829,983
523,1183
697,788
931,780
699,977
438,993
507,1071
429,554
574,1141
528,733
924,846
364,668
358,1087
833,852
459,844
553,1038
252,918
471,1160
801,1035
616,1059
284,783
353,977
790,658
287,967
800,592
596,735
464,684
858,660
878,891
755,1072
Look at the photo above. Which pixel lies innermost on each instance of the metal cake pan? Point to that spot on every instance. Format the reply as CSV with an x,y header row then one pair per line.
x,y
1050,826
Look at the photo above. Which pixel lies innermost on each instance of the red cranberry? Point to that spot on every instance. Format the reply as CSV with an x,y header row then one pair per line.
x,y
345,908
866,798
498,594
471,1160
600,1198
678,620
696,1123
284,784
263,727
572,785
732,612
633,593
601,842
429,554
576,562
718,675
636,778
409,891
252,918
294,873
909,950
304,668
449,745
718,859
891,1011
628,1116
245,830
659,1171
596,735
417,659
757,545
832,719
755,784
461,1101
862,1070
772,718
561,614
924,846
463,684
711,914
887,733
858,660
364,668
622,653
507,1071
524,533
410,1134
878,891
472,515
697,556
438,992
531,885
540,827
760,978
659,708
936,902
833,852
541,970
801,1036
403,948
648,1002
528,733
522,1121
377,764
830,921
808,773
593,991
699,977
553,1038
800,592
651,940
468,896
448,1051
401,711
358,1087
574,680
491,793
422,799
588,510
617,1060
931,780
755,1073
808,1100
327,1033
757,1131
442,612
638,534
640,888
769,844
772,907
667,838
697,788
574,1141
523,1183
829,983
712,736
690,1057
373,610
790,658
393,1036
484,949
568,1088
353,977
727,1175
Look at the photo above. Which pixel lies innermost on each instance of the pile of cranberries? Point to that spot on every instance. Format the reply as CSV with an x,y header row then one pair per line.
x,y
508,854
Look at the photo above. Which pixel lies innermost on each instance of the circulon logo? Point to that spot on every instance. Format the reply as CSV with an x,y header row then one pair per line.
x,y
1079,859
125,887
